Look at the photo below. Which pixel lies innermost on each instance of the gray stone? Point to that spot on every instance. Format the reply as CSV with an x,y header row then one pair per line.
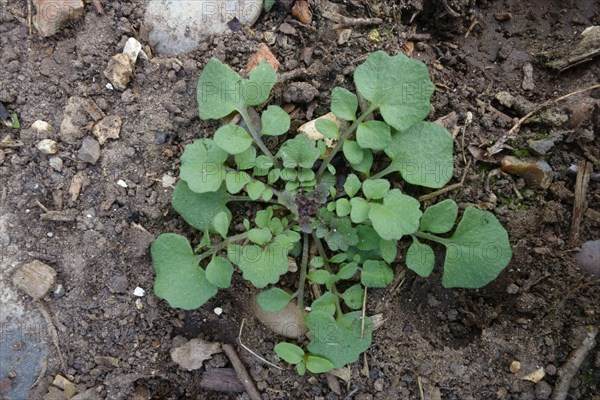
x,y
89,151
588,258
56,163
543,146
543,390
299,92
179,26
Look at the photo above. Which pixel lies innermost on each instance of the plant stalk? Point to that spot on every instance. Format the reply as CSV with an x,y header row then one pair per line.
x,y
303,267
253,132
388,170
321,251
222,245
431,237
343,138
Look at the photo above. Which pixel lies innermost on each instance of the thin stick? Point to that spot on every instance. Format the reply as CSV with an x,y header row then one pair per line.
x,y
98,6
29,16
447,189
242,372
53,333
252,352
222,245
571,366
303,266
515,129
421,392
581,185
343,21
364,312
253,132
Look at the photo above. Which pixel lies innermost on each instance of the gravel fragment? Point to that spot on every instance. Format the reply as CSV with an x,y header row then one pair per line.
x,y
89,151
299,92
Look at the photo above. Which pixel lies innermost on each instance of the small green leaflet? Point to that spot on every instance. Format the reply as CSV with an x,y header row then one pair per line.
x,y
255,189
289,352
344,104
219,271
273,300
327,128
353,296
202,166
360,210
299,152
376,274
246,159
422,154
374,135
275,121
233,139
375,189
260,236
420,258
399,215
197,209
221,223
353,152
440,217
398,85
236,180
352,185
342,207
318,365
179,280
221,90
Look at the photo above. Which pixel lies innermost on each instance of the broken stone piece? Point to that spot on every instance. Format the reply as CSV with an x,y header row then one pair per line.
x,y
74,118
537,174
543,146
47,146
132,49
191,355
588,259
108,128
35,279
51,15
89,151
42,126
262,54
288,322
528,83
119,71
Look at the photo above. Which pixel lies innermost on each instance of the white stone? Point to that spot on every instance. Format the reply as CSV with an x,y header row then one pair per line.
x,y
42,126
122,183
179,26
109,86
218,310
168,181
132,49
47,146
139,292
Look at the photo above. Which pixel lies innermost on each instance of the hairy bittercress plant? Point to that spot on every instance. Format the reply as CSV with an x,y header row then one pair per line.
x,y
353,219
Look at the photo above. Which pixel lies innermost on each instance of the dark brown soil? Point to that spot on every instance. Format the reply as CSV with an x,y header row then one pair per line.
x,y
435,343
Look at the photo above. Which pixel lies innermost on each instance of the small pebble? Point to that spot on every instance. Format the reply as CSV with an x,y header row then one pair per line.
x,y
299,92
514,366
588,259
543,390
56,163
122,183
512,289
89,151
35,279
47,146
160,137
218,310
139,292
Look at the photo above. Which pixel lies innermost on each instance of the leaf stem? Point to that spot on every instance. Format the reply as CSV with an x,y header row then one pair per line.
x,y
321,251
388,170
343,138
254,133
222,245
247,198
303,267
431,237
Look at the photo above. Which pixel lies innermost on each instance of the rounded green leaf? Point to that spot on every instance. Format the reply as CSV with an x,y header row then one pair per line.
x,y
275,121
398,215
233,139
289,352
299,152
422,154
440,217
202,166
255,189
344,104
273,300
376,274
353,296
318,365
246,159
260,236
420,258
373,135
301,368
327,128
319,276
221,223
398,85
352,185
236,180
257,88
374,189
219,271
368,239
342,207
389,250
218,90
366,163
347,271
360,210
477,252
179,280
353,152
199,209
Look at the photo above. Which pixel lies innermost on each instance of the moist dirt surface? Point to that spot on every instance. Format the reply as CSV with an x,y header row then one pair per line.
x,y
435,343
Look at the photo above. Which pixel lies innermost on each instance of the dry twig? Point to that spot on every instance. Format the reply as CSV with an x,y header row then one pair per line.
x,y
52,332
447,189
344,22
252,352
581,185
242,372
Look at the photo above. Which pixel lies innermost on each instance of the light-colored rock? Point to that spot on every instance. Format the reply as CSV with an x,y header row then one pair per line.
x,y
2,157
192,354
51,15
47,146
588,258
119,71
35,279
74,118
42,126
89,151
179,26
288,322
56,163
108,128
132,49
537,173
